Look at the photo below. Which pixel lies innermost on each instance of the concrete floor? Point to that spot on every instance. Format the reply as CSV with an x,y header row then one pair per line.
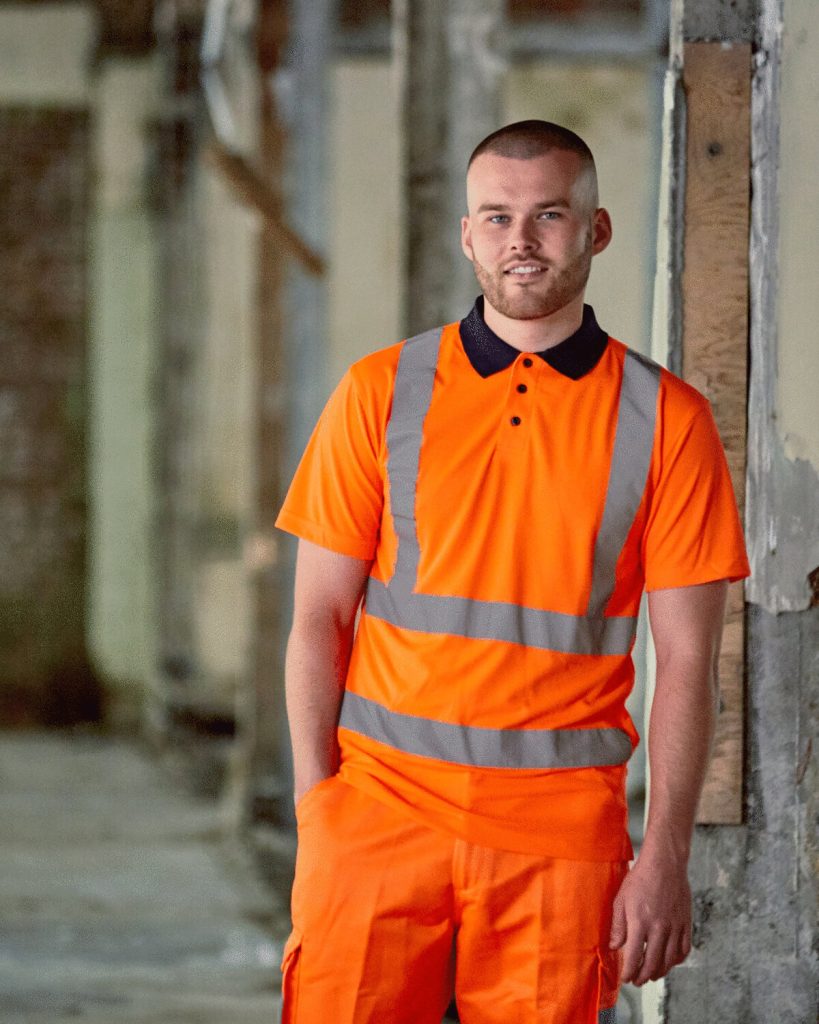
x,y
119,899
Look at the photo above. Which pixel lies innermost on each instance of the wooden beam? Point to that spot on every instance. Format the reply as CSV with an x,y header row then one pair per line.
x,y
717,83
250,187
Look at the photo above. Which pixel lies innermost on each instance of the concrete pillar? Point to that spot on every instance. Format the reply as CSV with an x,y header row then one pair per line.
x,y
754,883
293,348
449,60
302,94
181,313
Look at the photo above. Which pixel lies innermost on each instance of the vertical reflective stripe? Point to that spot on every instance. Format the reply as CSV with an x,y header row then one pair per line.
x,y
630,462
607,1016
411,399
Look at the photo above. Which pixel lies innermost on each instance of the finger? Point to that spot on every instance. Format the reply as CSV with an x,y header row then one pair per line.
x,y
671,957
656,942
633,954
618,932
686,940
681,951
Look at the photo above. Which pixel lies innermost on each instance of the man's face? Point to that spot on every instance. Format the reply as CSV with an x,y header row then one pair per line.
x,y
532,230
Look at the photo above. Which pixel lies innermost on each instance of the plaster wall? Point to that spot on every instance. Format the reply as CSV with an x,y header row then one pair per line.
x,y
226,403
364,305
122,370
225,432
45,53
799,230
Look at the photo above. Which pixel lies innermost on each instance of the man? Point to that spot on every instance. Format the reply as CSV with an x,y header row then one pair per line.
x,y
499,492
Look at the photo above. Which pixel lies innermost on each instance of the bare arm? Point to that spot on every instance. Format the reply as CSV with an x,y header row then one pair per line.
x,y
327,594
652,911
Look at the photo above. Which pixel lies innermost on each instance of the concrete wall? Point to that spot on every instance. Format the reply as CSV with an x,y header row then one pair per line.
x,y
45,180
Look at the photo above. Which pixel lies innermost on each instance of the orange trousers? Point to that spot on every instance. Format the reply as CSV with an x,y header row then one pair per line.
x,y
390,917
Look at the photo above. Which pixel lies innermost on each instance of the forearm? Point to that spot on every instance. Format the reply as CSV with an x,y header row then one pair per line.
x,y
681,730
315,671
652,911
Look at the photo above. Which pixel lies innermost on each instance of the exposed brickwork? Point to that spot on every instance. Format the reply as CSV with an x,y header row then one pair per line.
x,y
44,181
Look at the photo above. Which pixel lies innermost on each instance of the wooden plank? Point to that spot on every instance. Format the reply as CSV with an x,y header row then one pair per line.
x,y
717,82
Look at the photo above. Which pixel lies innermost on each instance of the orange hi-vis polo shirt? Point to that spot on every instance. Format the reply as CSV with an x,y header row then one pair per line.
x,y
513,519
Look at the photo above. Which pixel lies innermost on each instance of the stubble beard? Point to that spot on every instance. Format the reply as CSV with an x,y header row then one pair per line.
x,y
562,285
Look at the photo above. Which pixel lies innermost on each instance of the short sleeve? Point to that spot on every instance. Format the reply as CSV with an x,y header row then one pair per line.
x,y
336,497
693,532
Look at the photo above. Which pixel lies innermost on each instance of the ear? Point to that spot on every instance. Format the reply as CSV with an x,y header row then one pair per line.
x,y
601,231
466,238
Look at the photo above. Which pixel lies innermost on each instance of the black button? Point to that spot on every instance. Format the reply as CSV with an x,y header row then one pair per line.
x,y
522,389
515,421
527,361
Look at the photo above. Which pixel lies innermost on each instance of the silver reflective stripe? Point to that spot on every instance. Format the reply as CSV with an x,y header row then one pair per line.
x,y
630,462
608,1016
398,602
411,399
476,746
496,620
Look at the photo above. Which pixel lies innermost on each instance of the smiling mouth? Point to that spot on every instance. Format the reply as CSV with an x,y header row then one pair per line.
x,y
528,270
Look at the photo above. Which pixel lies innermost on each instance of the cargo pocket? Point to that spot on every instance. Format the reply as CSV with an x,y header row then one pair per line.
x,y
609,987
290,978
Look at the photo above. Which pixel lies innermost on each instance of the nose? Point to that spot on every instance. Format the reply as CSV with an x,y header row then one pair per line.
x,y
524,238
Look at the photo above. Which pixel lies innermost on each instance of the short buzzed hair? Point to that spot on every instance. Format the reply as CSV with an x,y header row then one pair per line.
x,y
525,140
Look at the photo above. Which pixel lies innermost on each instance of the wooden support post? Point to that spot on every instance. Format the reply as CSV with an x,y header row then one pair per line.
x,y
717,81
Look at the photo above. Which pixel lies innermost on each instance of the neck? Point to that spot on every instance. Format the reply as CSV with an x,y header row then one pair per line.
x,y
536,335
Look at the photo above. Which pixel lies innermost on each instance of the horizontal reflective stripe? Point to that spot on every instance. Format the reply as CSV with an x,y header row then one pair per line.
x,y
497,620
478,747
607,1016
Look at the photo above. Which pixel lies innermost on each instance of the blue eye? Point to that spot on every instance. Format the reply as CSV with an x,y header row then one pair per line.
x,y
550,214
498,218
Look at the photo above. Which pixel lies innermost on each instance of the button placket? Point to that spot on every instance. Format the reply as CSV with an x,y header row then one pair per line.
x,y
522,366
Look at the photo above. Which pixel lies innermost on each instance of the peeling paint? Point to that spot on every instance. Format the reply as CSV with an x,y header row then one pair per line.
x,y
782,496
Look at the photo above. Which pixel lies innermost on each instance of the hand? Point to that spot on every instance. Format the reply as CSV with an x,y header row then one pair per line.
x,y
305,783
651,919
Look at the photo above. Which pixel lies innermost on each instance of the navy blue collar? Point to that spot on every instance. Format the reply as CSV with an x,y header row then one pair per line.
x,y
574,357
